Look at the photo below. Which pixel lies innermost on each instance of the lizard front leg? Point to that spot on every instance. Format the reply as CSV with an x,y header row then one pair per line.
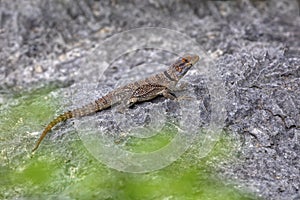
x,y
148,92
168,94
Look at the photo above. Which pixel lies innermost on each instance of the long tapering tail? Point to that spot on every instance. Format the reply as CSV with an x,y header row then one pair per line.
x,y
96,106
60,118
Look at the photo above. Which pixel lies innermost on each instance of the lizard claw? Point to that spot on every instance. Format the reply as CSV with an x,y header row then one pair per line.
x,y
121,110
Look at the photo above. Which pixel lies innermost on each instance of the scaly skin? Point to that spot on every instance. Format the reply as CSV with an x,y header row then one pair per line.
x,y
139,91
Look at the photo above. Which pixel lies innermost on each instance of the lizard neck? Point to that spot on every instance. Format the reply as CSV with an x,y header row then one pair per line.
x,y
169,79
171,75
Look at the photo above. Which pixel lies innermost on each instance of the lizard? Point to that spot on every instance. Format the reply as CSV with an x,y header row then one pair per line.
x,y
161,84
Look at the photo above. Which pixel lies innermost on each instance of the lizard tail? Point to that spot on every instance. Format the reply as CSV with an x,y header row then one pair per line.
x,y
60,118
98,105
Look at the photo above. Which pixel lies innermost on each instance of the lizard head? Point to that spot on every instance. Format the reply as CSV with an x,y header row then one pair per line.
x,y
183,64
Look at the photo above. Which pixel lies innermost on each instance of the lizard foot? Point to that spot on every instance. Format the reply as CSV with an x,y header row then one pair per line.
x,y
183,86
183,98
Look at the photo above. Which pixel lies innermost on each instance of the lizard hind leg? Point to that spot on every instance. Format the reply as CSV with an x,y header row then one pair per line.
x,y
127,104
132,101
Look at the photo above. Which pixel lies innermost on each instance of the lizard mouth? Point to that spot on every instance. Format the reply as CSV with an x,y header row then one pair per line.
x,y
194,59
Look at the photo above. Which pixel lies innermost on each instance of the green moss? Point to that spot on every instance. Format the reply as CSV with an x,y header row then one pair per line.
x,y
66,170
150,144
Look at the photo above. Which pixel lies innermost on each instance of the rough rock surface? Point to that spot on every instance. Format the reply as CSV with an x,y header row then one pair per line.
x,y
255,44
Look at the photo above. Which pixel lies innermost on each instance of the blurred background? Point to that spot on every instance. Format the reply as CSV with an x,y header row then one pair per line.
x,y
254,43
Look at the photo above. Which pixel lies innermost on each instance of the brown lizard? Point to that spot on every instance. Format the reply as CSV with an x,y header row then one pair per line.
x,y
139,91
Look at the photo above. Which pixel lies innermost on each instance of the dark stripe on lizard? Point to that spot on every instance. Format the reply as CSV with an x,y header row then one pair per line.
x,y
168,76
